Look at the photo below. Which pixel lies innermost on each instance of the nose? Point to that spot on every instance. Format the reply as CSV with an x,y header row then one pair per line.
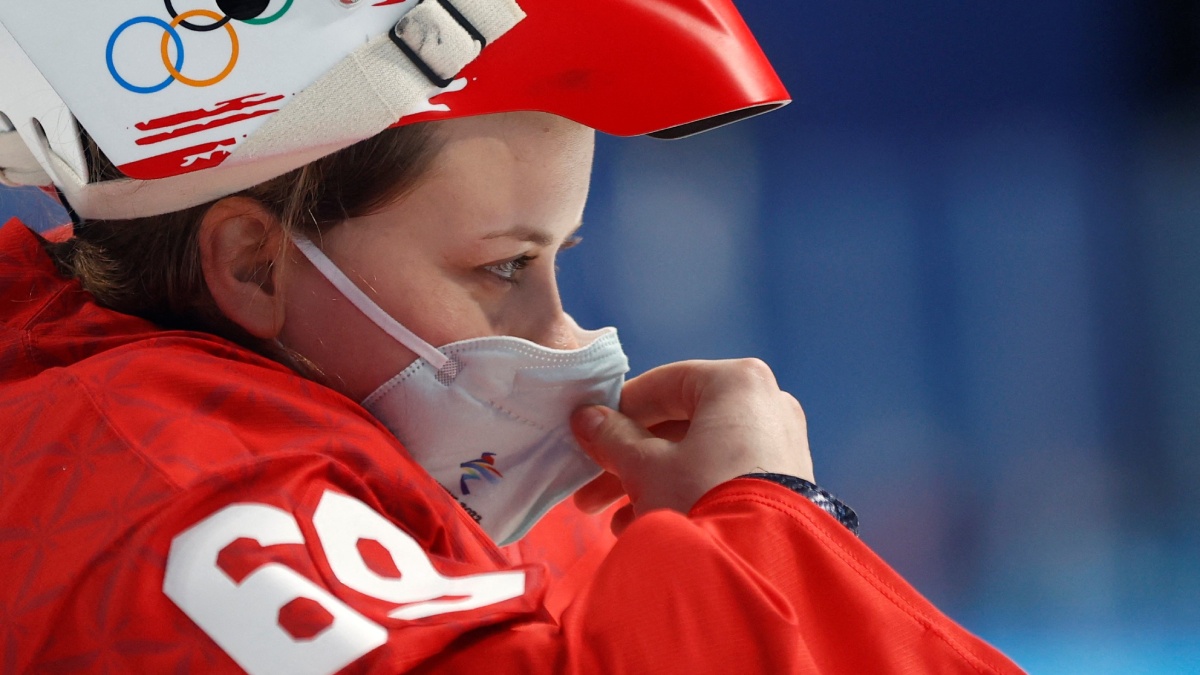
x,y
547,324
555,329
563,333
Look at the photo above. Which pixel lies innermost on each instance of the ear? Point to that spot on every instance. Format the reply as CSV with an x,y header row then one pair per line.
x,y
241,254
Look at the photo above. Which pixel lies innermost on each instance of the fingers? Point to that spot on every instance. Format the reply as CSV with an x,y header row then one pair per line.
x,y
662,394
673,431
599,494
622,519
686,427
614,441
672,392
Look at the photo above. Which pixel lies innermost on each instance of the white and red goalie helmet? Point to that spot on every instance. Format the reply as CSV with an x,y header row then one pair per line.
x,y
196,99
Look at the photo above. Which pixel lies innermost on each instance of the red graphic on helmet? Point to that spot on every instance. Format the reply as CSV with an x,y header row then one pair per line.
x,y
204,119
194,158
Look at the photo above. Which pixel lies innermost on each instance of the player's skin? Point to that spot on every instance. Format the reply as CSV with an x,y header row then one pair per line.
x,y
470,252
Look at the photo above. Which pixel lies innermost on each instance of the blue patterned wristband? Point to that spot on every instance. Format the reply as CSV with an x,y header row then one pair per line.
x,y
827,502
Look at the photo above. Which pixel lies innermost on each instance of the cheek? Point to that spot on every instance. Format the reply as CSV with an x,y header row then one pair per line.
x,y
445,314
352,353
316,311
440,299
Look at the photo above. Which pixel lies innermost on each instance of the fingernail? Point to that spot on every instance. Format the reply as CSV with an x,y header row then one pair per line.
x,y
588,420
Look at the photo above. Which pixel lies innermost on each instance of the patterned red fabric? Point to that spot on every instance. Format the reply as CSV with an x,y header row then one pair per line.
x,y
170,502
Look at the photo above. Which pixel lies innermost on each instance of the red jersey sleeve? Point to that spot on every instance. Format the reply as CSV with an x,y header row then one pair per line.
x,y
755,580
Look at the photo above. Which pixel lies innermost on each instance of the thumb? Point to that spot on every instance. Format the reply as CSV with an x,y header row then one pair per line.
x,y
613,440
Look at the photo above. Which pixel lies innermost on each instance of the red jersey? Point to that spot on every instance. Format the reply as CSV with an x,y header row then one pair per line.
x,y
171,502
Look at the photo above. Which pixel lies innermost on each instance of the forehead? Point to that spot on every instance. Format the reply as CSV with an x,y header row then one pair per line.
x,y
524,175
532,164
516,137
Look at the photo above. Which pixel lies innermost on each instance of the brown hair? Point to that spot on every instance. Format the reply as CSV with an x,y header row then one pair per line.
x,y
150,267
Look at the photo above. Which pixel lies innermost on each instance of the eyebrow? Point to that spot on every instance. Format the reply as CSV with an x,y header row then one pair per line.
x,y
529,234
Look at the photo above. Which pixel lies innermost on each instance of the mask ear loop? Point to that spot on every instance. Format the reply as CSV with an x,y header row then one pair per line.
x,y
374,312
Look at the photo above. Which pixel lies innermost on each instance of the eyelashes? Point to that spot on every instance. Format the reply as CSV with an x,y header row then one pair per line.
x,y
509,270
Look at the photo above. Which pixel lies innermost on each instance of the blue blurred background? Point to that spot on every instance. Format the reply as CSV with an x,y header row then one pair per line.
x,y
971,248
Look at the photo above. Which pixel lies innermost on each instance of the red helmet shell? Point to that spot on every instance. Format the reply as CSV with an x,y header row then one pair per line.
x,y
625,67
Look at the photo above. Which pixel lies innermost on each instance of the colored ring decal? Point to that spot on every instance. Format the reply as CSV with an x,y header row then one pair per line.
x,y
233,56
220,21
274,17
170,33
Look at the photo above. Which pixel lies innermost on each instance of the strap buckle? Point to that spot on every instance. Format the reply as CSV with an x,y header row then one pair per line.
x,y
428,28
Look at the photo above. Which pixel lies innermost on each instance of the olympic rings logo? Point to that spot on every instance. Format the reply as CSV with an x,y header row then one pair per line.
x,y
245,11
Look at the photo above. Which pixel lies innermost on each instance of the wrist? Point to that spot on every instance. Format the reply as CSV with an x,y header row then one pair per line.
x,y
810,491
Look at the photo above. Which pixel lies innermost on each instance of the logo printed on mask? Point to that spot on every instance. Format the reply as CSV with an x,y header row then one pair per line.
x,y
483,468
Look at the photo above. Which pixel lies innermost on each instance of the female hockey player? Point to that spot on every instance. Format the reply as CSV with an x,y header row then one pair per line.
x,y
296,393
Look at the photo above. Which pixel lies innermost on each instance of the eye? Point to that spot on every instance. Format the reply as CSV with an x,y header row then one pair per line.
x,y
509,270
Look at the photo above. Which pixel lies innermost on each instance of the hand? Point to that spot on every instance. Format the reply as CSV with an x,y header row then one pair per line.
x,y
685,428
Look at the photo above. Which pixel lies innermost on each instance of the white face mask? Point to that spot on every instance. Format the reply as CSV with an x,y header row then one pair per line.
x,y
488,418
